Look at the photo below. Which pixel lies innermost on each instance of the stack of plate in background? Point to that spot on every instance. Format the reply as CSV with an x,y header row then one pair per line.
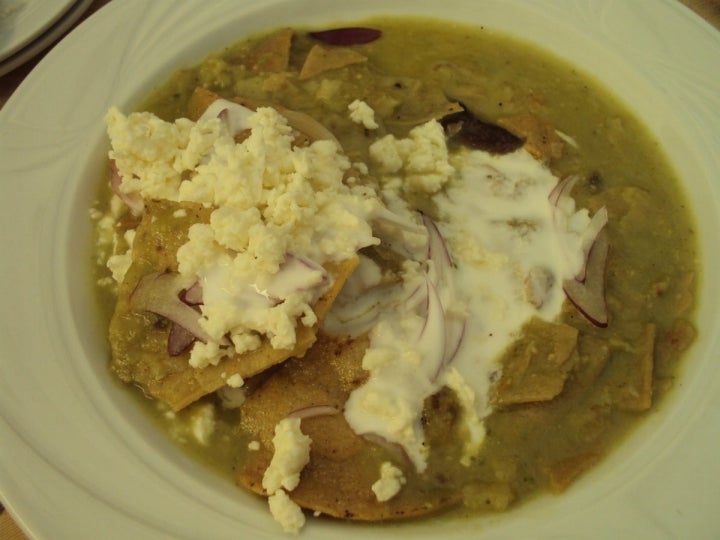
x,y
27,27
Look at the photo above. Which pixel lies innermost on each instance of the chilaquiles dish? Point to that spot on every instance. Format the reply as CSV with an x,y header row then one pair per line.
x,y
376,279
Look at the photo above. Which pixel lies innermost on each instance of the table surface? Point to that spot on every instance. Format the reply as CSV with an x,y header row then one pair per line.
x,y
708,9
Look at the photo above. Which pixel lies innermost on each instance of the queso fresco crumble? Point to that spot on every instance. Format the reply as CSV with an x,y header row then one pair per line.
x,y
269,199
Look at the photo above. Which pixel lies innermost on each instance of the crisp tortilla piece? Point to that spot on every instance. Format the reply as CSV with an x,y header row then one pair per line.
x,y
139,339
343,466
593,356
634,393
272,55
536,366
562,473
541,140
200,100
321,59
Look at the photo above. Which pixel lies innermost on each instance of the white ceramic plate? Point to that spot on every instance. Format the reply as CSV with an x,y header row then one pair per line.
x,y
77,460
23,20
28,26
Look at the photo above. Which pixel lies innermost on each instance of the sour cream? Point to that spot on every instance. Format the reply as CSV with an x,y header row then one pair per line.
x,y
511,250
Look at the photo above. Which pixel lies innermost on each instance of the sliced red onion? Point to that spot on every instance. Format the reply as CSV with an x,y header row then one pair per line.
x,y
438,253
179,340
353,35
313,411
387,217
359,316
416,297
562,189
454,334
588,296
431,341
236,117
587,290
440,275
397,245
304,123
193,295
133,201
389,228
597,223
296,274
159,293
396,450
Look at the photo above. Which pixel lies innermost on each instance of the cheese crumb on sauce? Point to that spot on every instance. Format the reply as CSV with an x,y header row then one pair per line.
x,y
390,482
292,453
362,113
286,512
254,446
418,162
235,381
202,423
270,200
197,424
472,423
119,264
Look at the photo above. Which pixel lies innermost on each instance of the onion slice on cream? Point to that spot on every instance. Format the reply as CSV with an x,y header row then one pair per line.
x,y
588,296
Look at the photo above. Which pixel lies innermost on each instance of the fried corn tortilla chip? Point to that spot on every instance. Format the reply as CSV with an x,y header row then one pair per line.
x,y
138,339
343,466
321,59
536,367
272,55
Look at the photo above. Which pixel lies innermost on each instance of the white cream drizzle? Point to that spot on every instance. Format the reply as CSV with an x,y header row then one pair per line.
x,y
501,231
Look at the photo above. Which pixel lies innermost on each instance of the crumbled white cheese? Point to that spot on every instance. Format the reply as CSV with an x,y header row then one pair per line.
x,y
390,482
151,155
206,354
420,160
269,199
254,446
473,425
235,381
286,512
389,404
362,113
108,239
195,424
118,264
230,397
202,423
292,453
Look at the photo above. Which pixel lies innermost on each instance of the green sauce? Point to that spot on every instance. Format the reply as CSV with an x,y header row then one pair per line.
x,y
410,74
